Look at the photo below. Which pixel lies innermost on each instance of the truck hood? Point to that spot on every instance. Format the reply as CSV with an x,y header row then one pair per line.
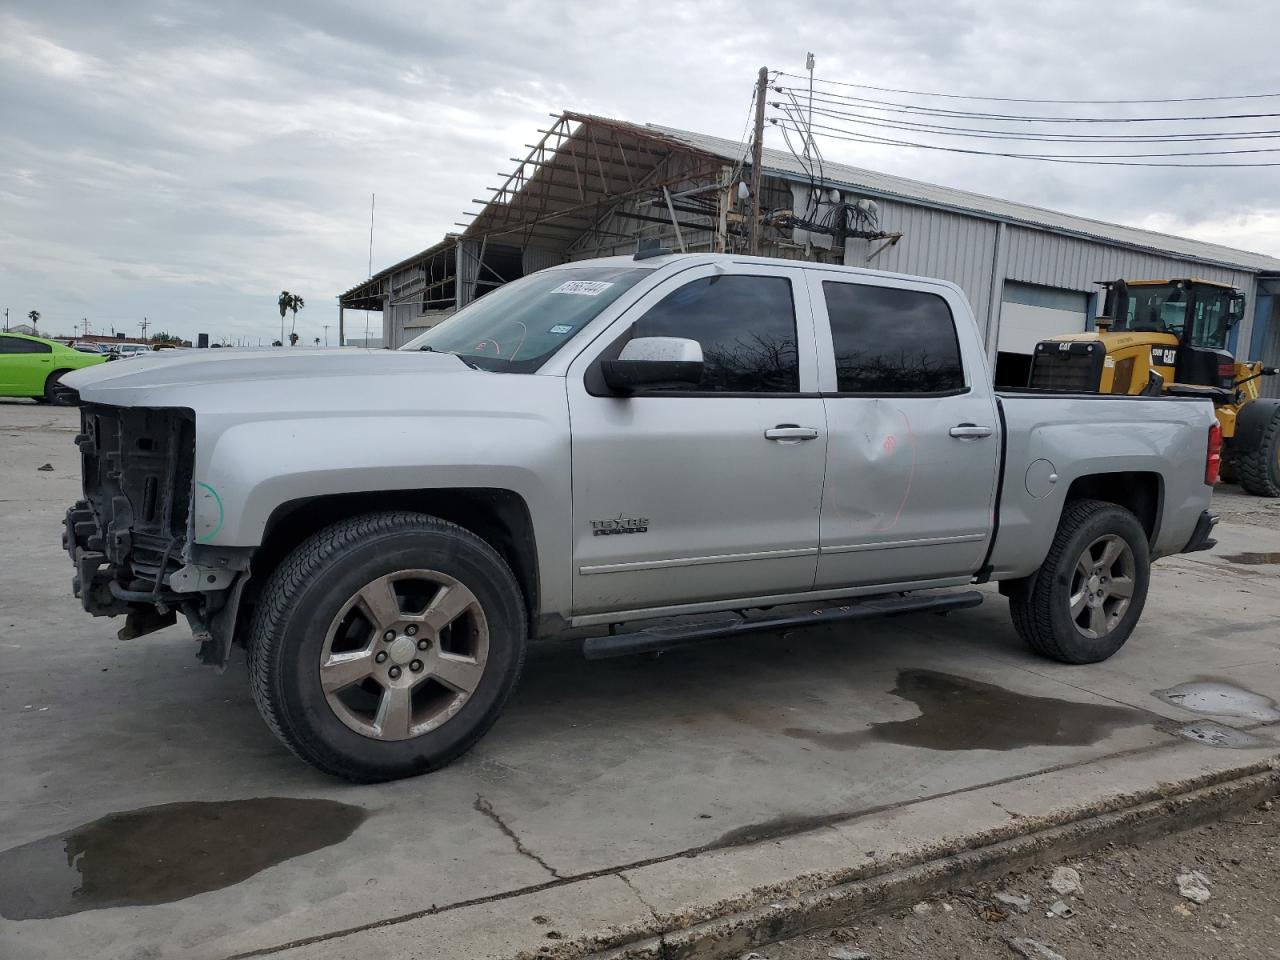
x,y
328,379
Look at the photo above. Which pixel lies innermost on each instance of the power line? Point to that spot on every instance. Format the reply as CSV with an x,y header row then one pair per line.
x,y
791,117
884,141
961,96
794,115
891,106
987,133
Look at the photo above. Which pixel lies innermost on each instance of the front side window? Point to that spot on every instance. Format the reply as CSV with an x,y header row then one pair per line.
x,y
517,327
746,326
892,341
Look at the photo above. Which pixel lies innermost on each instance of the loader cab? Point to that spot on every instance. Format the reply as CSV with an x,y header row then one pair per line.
x,y
1190,320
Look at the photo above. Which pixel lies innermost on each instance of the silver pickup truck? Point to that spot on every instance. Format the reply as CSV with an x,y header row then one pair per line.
x,y
591,449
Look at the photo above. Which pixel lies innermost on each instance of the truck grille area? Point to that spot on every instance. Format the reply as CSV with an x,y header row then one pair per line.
x,y
1069,367
131,527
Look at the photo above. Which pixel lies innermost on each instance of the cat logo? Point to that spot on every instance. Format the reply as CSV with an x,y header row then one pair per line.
x,y
1164,356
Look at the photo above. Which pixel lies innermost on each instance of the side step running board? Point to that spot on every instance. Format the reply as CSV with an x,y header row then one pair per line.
x,y
663,638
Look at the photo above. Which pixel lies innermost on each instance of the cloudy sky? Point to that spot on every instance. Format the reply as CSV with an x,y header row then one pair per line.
x,y
185,161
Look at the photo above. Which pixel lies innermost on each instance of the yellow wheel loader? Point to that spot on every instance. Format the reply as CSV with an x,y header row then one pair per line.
x,y
1169,337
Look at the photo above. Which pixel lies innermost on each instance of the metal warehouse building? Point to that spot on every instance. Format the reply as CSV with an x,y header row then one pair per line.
x,y
592,187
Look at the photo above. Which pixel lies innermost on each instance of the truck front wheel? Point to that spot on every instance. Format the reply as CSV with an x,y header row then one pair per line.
x,y
385,645
1087,596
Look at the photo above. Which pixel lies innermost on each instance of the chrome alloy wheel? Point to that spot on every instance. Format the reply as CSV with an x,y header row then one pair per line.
x,y
404,654
1102,586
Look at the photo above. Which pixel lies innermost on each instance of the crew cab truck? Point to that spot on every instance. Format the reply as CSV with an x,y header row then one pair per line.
x,y
598,445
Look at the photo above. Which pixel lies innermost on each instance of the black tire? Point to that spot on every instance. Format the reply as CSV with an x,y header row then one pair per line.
x,y
1042,613
1259,468
55,393
306,594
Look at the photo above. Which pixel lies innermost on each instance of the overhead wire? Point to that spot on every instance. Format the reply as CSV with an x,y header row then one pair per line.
x,y
871,138
863,119
1175,153
891,106
962,96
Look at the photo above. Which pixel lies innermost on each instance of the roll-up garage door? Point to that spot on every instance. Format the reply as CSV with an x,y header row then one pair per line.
x,y
1029,314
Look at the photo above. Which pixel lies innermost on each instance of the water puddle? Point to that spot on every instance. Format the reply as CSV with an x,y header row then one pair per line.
x,y
1217,698
957,713
1253,558
165,853
1220,735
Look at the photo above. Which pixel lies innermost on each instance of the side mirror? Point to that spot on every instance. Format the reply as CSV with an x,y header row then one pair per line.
x,y
653,362
1235,311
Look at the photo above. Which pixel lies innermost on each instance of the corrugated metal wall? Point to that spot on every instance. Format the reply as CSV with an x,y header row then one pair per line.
x,y
1052,260
935,243
962,249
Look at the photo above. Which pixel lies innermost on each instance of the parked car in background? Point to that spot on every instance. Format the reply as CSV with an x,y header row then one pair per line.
x,y
86,346
125,350
33,367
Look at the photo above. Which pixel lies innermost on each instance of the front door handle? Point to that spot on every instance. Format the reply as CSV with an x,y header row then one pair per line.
x,y
790,433
970,431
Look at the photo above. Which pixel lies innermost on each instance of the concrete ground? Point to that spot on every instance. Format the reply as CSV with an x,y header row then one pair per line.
x,y
146,811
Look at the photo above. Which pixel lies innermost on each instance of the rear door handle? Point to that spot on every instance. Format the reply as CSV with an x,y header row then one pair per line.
x,y
790,433
970,431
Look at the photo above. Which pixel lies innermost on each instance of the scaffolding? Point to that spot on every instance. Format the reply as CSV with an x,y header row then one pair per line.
x,y
589,187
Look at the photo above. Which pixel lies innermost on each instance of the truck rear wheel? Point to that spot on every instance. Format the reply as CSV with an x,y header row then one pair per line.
x,y
385,645
1259,468
1087,596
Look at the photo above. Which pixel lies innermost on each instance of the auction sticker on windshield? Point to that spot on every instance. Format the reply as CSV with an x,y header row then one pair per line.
x,y
583,288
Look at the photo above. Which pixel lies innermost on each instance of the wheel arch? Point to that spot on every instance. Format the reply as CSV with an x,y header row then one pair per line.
x,y
499,517
1138,491
54,374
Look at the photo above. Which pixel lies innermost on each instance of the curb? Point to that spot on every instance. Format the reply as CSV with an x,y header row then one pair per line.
x,y
768,918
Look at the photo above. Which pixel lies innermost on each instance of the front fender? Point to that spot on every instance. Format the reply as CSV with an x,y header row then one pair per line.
x,y
246,469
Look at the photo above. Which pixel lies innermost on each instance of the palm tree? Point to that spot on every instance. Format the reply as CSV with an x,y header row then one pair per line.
x,y
283,302
295,304
34,317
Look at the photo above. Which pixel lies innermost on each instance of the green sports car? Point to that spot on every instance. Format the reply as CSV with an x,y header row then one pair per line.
x,y
32,367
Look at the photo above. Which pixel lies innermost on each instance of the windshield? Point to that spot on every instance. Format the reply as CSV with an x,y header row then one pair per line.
x,y
519,325
1162,309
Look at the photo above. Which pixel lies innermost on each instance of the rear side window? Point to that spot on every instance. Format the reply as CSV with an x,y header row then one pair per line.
x,y
892,341
18,345
746,326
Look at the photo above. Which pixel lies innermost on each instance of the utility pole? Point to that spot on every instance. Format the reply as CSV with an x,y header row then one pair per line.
x,y
326,334
809,64
757,158
6,319
144,324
